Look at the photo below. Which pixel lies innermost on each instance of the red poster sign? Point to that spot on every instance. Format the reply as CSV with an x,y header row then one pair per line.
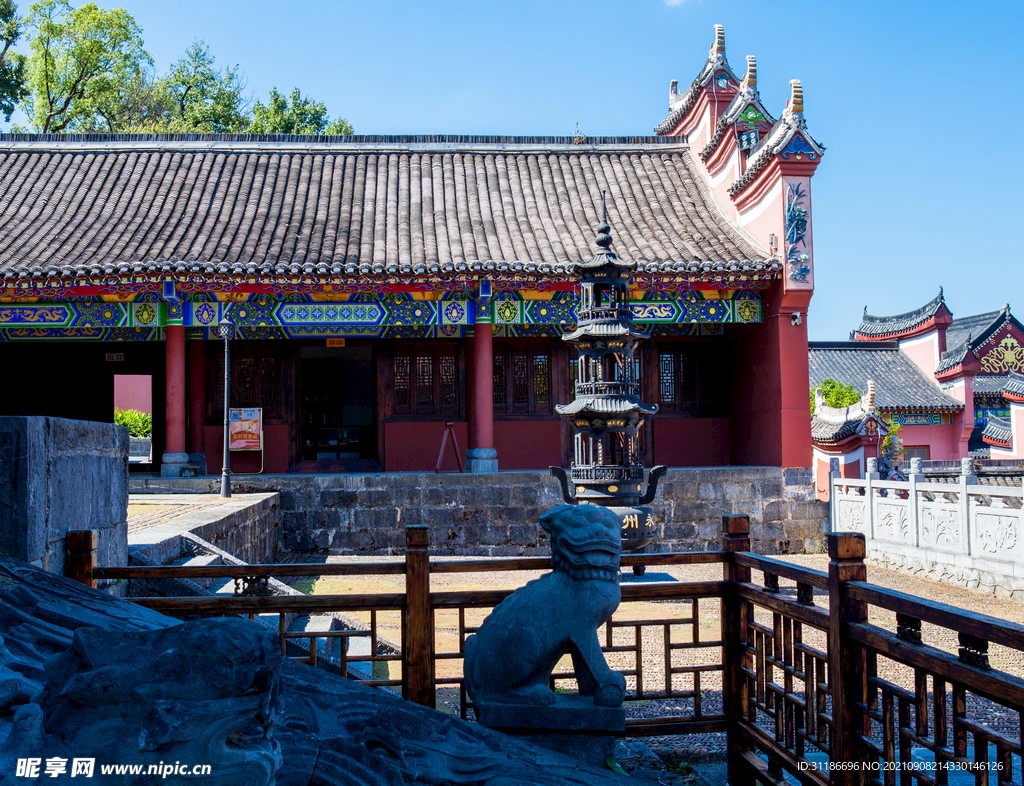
x,y
245,427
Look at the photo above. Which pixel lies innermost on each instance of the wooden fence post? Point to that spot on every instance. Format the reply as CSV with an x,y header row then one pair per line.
x,y
80,555
735,685
418,649
847,664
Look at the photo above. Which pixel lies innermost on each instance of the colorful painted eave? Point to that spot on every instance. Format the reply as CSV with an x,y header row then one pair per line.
x,y
524,312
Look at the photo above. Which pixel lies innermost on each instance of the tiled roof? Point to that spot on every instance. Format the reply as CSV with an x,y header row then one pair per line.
x,y
989,384
978,328
355,206
976,447
998,431
902,323
834,424
899,384
952,358
1014,385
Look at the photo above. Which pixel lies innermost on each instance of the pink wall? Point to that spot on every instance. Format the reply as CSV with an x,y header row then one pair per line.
x,y
923,352
525,445
943,442
691,442
413,447
133,391
277,450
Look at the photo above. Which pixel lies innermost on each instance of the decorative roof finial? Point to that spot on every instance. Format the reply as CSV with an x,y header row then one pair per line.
x,y
719,46
795,105
870,404
604,237
750,80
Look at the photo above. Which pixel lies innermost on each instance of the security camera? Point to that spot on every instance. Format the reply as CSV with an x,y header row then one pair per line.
x,y
796,318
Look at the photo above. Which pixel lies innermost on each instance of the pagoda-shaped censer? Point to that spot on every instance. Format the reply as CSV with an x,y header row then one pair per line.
x,y
607,412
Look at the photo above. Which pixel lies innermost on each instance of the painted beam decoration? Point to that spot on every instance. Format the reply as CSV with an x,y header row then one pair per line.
x,y
524,312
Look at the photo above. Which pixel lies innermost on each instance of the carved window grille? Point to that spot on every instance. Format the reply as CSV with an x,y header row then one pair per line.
x,y
255,379
425,380
500,383
424,384
522,379
402,383
677,380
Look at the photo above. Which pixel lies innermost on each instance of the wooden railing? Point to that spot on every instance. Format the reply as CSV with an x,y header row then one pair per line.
x,y
810,675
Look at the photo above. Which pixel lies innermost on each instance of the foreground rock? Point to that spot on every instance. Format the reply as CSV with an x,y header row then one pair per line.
x,y
86,675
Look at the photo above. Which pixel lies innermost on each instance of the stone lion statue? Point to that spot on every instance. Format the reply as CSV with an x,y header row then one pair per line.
x,y
511,657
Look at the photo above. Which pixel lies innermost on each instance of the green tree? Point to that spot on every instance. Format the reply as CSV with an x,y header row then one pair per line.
x,y
13,82
835,394
299,116
196,96
82,60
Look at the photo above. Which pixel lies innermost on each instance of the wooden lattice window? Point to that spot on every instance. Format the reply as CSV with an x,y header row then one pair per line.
x,y
255,379
522,379
425,380
677,380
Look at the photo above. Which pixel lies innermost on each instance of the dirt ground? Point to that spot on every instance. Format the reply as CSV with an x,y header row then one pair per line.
x,y
693,757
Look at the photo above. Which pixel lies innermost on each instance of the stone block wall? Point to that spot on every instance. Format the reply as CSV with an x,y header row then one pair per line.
x,y
497,514
58,475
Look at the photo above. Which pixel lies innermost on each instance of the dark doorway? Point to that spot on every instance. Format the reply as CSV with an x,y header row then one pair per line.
x,y
338,418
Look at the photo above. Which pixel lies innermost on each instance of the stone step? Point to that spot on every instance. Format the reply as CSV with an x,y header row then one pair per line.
x,y
200,561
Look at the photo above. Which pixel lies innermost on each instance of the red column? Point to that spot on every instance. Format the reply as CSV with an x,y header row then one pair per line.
x,y
175,401
481,456
196,396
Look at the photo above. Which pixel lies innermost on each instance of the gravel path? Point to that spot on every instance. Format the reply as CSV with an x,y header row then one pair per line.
x,y
651,640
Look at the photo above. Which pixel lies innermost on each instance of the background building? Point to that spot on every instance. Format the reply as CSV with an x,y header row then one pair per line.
x,y
383,286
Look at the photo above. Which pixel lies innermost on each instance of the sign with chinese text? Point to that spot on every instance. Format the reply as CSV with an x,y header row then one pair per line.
x,y
245,429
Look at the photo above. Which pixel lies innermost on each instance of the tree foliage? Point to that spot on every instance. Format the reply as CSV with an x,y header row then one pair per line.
x,y
82,60
13,81
298,116
200,97
835,394
89,72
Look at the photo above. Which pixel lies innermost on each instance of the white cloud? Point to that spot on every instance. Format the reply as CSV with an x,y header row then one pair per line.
x,y
671,3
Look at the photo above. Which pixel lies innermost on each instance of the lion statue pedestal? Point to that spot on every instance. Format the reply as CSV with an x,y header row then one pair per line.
x,y
510,659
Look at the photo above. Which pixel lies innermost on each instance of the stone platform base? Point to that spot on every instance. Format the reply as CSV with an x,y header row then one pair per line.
x,y
572,725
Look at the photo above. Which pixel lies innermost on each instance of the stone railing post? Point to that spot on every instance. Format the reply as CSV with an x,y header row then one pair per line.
x,y
847,665
735,686
418,647
967,479
871,477
916,476
80,555
833,478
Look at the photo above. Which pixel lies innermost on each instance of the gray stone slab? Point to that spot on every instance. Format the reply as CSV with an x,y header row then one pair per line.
x,y
570,713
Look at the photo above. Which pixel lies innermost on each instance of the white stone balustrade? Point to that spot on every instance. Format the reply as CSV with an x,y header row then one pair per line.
x,y
961,533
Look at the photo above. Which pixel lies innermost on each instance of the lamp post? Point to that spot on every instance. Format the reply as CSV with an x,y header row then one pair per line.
x,y
225,328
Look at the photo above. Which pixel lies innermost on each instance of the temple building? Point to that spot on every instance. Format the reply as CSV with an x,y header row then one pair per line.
x,y
381,287
954,385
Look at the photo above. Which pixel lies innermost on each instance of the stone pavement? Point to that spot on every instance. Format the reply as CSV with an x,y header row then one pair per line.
x,y
147,510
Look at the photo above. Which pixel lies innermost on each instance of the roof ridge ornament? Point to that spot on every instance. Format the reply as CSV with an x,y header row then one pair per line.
x,y
795,104
750,78
718,47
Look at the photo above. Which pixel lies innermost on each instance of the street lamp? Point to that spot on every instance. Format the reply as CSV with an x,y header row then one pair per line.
x,y
226,329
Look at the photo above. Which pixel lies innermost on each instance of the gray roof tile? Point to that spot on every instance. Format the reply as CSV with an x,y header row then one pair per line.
x,y
899,384
356,206
901,323
998,430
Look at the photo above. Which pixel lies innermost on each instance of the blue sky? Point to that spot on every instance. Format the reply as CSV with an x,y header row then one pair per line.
x,y
918,188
